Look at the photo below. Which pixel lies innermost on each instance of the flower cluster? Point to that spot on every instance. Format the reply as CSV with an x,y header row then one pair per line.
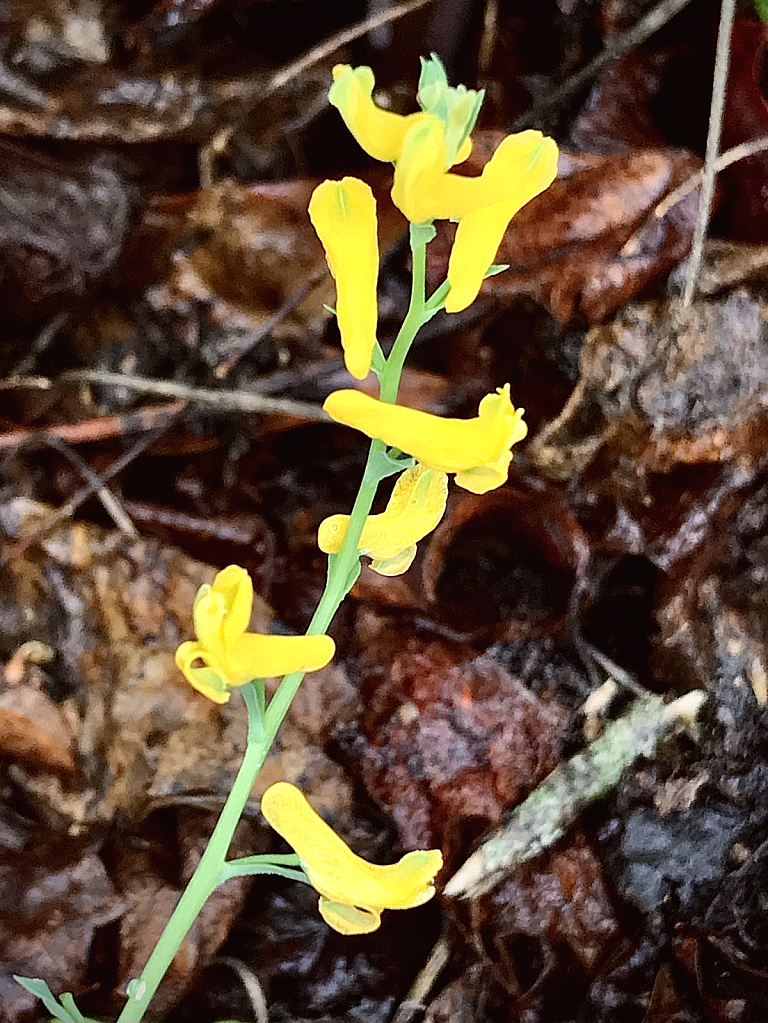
x,y
423,147
352,891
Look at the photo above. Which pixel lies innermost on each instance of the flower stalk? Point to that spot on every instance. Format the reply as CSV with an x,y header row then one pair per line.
x,y
423,448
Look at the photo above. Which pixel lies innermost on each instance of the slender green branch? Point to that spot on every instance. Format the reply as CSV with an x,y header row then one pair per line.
x,y
206,875
236,868
337,588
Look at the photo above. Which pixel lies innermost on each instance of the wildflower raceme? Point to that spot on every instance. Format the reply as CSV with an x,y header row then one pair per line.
x,y
420,449
352,891
230,655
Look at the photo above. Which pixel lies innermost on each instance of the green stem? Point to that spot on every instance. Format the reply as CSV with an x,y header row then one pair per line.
x,y
206,875
390,378
263,726
336,588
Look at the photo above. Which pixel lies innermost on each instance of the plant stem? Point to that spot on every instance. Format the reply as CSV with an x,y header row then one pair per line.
x,y
263,726
336,590
206,875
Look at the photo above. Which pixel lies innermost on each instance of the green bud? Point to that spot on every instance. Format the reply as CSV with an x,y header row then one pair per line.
x,y
457,107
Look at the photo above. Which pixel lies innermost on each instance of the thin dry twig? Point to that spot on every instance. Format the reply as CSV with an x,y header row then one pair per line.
x,y
655,19
87,430
415,1001
249,93
67,510
251,985
488,38
109,500
730,156
722,63
335,42
240,401
274,320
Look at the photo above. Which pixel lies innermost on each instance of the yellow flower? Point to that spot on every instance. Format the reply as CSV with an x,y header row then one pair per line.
x,y
415,508
232,656
352,891
344,215
379,132
522,167
477,450
531,162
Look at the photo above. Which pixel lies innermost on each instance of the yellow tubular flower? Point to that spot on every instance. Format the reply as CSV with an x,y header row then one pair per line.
x,y
416,506
522,166
477,450
344,215
232,656
352,891
480,232
379,132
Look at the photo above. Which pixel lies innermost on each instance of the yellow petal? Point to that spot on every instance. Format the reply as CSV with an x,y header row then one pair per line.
x,y
344,215
256,656
530,161
397,564
448,445
206,680
208,617
416,506
341,877
379,132
234,586
349,919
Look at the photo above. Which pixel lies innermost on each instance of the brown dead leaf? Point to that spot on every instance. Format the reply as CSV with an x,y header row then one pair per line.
x,y
113,610
31,744
563,901
745,212
54,895
523,551
447,735
150,898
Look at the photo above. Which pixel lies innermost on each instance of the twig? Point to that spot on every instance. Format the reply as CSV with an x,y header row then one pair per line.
x,y
655,19
88,429
240,401
251,985
740,152
335,42
415,1000
722,61
730,156
488,38
276,318
80,497
552,808
250,93
40,344
109,501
